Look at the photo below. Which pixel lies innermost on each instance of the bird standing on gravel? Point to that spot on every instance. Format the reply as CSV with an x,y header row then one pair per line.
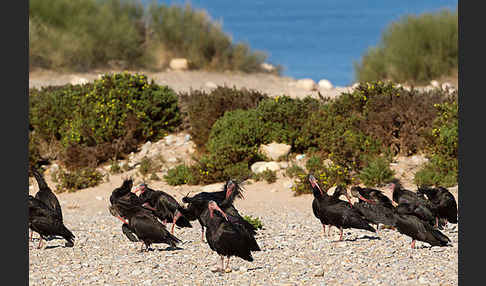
x,y
199,202
137,219
226,236
46,195
46,222
374,205
166,207
336,213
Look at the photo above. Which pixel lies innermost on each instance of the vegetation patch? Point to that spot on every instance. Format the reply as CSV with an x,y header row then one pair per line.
x,y
414,49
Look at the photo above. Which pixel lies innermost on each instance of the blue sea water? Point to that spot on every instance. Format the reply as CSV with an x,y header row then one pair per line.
x,y
312,38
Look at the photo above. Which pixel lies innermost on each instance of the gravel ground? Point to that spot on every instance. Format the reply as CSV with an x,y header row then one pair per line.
x,y
294,250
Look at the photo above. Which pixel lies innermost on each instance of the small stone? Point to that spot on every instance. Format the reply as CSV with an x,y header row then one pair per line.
x,y
306,84
319,273
179,64
211,85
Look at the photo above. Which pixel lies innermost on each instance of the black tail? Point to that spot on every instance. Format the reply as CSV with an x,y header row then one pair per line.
x,y
67,235
40,179
442,238
172,240
183,222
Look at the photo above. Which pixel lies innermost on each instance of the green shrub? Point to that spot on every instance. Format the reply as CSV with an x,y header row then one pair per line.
x,y
268,175
99,120
327,173
442,168
294,170
376,172
255,221
178,175
203,109
86,34
79,179
115,167
147,165
414,49
286,116
191,34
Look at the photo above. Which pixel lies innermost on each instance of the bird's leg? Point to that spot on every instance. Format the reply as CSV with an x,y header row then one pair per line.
x,y
31,232
436,222
329,230
227,264
202,233
177,215
40,241
341,234
413,244
324,229
222,263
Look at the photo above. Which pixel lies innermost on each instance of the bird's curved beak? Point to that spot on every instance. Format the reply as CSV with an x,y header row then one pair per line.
x,y
366,200
212,207
229,190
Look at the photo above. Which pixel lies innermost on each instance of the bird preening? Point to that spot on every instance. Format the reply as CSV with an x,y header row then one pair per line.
x,y
45,214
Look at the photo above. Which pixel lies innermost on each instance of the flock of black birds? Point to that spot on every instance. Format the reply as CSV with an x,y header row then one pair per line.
x,y
145,212
419,215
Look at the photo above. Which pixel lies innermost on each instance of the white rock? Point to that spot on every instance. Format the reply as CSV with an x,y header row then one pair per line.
x,y
267,67
300,157
169,139
78,80
275,150
172,160
187,138
307,84
210,84
259,167
283,165
325,84
434,83
179,64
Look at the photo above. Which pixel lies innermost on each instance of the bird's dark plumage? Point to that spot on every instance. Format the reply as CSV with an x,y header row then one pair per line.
x,y
46,222
227,236
224,198
165,205
417,229
444,202
45,194
141,221
336,212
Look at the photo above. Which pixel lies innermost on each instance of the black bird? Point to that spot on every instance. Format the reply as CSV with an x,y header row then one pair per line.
x,y
338,214
401,195
137,220
418,229
410,202
444,202
199,202
124,202
46,222
226,237
366,194
166,207
375,206
149,229
318,202
46,195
